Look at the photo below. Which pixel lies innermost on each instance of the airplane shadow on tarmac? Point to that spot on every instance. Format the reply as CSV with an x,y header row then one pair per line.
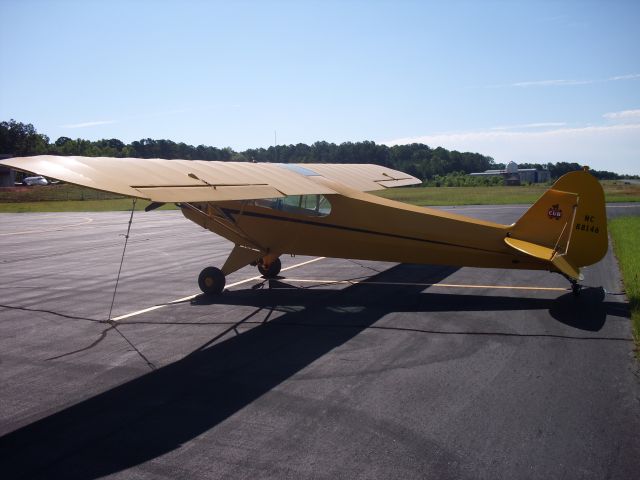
x,y
588,311
158,412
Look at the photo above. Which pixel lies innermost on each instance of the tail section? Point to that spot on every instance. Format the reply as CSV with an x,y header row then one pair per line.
x,y
567,226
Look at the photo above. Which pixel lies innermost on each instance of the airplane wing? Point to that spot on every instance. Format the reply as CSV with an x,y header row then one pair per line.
x,y
206,181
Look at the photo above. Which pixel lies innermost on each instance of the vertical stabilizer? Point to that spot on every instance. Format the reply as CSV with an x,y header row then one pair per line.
x,y
570,220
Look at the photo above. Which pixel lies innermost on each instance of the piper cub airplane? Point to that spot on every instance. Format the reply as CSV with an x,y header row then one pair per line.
x,y
270,209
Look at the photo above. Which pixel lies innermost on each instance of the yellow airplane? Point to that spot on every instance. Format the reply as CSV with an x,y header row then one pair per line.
x,y
269,209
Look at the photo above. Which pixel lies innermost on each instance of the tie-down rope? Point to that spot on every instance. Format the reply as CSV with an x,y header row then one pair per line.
x,y
126,240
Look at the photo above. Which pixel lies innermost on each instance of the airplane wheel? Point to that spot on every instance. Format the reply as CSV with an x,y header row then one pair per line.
x,y
272,271
575,288
211,281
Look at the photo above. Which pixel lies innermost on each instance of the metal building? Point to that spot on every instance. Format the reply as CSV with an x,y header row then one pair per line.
x,y
516,176
7,175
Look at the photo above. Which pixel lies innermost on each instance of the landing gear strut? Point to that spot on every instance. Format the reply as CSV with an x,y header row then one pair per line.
x,y
211,281
575,286
270,271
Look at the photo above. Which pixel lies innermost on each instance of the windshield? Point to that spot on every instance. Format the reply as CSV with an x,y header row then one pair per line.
x,y
310,205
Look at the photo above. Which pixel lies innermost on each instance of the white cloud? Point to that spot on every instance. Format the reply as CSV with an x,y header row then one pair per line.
x,y
623,115
88,124
550,83
610,147
564,83
530,125
625,77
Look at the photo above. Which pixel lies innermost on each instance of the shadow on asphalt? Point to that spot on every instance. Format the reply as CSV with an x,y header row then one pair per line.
x,y
160,411
587,311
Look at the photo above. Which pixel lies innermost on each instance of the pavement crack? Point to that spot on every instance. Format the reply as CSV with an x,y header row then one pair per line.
x,y
448,332
64,315
364,266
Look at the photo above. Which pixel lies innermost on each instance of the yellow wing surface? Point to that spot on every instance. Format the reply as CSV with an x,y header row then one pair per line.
x,y
161,180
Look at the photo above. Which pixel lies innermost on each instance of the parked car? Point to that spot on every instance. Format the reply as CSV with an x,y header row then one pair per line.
x,y
35,181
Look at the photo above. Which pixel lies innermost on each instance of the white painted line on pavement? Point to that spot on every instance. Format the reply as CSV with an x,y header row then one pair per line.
x,y
56,228
190,297
409,284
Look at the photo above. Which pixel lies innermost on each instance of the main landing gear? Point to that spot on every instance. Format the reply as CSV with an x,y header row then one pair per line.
x,y
212,280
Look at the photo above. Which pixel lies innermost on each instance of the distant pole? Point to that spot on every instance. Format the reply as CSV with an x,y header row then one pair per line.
x,y
275,145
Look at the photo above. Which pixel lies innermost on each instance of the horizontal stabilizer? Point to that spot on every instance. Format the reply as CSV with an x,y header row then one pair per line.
x,y
560,262
532,249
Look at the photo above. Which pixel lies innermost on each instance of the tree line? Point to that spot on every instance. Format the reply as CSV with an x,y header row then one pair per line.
x,y
419,160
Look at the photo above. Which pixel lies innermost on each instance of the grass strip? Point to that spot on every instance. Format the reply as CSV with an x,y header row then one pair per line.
x,y
71,198
112,205
625,233
615,192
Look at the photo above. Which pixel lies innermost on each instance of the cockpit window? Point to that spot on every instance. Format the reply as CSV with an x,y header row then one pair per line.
x,y
310,205
306,171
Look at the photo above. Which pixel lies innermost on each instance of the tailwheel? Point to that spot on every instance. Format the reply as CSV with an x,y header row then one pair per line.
x,y
575,288
211,281
272,270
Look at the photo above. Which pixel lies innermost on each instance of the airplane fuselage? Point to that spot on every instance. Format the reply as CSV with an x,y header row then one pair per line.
x,y
367,227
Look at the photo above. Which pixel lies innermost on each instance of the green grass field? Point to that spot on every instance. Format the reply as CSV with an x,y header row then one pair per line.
x,y
69,198
111,205
625,233
65,198
617,191
52,193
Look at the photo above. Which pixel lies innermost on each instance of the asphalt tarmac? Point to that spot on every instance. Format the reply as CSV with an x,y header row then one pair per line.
x,y
419,372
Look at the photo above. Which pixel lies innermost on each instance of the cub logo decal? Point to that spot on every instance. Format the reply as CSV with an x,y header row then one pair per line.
x,y
555,212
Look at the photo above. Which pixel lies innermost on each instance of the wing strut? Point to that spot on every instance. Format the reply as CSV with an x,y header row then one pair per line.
x,y
206,218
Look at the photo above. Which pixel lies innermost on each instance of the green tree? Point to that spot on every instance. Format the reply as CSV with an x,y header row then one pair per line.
x,y
18,138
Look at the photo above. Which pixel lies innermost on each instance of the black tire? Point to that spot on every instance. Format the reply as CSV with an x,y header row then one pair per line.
x,y
272,271
211,281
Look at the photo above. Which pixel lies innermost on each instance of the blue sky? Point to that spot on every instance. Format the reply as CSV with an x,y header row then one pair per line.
x,y
524,81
